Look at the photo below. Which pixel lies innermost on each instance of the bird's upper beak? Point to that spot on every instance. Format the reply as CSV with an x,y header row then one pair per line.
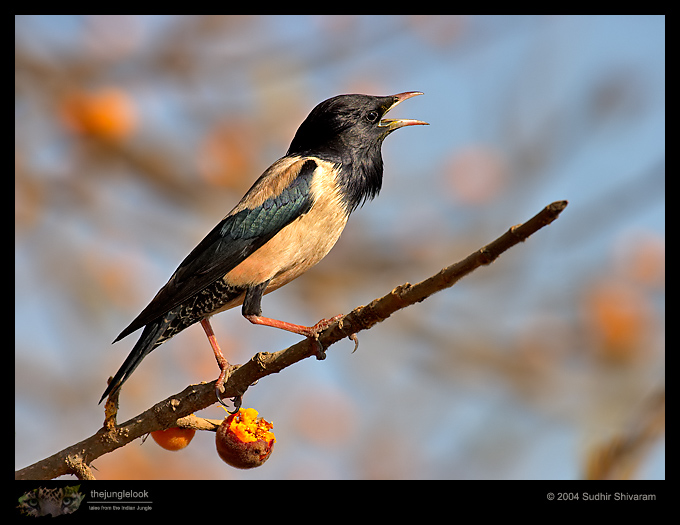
x,y
392,124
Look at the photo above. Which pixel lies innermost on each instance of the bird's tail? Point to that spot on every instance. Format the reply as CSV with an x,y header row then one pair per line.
x,y
147,342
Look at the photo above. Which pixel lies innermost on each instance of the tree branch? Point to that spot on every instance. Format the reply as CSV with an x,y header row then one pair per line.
x,y
177,409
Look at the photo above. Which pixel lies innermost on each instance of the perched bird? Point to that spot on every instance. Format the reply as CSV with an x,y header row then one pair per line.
x,y
286,223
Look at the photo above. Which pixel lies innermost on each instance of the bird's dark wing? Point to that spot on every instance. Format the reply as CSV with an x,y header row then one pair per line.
x,y
277,198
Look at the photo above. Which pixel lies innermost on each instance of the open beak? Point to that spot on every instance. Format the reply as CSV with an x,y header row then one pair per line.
x,y
392,124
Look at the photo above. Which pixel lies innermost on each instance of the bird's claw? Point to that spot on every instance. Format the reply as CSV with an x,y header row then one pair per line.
x,y
322,325
319,327
220,388
237,401
314,332
319,351
354,338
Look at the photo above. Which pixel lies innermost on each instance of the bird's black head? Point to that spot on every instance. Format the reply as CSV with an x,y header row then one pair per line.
x,y
349,130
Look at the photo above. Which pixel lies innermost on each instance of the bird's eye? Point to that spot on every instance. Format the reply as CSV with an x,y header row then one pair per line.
x,y
372,116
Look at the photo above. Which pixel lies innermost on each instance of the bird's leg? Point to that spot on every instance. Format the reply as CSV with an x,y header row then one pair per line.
x,y
311,332
252,310
308,331
221,362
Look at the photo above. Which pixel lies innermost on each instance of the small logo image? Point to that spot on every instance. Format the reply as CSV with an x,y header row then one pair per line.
x,y
50,502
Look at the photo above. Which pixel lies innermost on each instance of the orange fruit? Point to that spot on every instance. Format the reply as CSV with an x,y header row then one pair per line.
x,y
243,440
173,438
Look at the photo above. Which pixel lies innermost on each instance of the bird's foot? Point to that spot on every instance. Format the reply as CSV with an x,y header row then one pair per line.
x,y
237,401
219,390
322,325
312,332
319,327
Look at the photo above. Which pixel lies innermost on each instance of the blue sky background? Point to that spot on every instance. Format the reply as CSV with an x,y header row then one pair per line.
x,y
525,369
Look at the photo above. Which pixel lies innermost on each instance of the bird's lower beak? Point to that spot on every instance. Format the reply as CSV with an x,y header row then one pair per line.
x,y
392,124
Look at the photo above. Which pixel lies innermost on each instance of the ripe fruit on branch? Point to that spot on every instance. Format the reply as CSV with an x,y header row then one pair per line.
x,y
173,438
243,440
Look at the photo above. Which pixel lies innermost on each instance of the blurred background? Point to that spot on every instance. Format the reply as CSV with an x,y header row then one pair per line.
x,y
135,135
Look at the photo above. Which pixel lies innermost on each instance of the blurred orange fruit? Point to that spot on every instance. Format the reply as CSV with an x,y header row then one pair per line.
x,y
619,316
108,113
